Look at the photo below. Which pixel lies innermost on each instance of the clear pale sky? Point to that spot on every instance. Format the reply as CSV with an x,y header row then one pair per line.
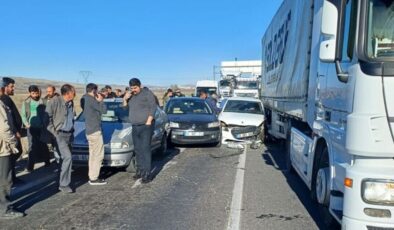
x,y
161,42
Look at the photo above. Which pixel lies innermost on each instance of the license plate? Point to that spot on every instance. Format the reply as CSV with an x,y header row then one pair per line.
x,y
193,134
245,135
81,157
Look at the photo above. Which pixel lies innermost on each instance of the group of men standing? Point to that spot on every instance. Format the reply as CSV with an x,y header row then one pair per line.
x,y
50,120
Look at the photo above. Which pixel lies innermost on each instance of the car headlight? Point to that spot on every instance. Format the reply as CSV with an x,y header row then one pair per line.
x,y
214,124
119,145
378,192
174,125
125,132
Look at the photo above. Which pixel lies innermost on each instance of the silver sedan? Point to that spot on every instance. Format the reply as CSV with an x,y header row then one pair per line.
x,y
117,134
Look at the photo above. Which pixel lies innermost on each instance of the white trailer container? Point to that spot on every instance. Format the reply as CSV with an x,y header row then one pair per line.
x,y
327,88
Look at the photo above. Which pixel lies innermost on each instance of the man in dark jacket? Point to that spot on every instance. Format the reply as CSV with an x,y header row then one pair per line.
x,y
9,88
33,113
211,102
142,106
8,147
60,122
93,108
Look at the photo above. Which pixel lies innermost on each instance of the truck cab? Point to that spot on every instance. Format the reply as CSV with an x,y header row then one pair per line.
x,y
327,77
209,86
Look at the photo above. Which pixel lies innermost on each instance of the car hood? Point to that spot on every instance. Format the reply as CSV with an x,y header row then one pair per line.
x,y
112,132
195,118
241,119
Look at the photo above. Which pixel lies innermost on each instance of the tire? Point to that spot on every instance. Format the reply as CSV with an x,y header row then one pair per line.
x,y
321,190
162,151
131,168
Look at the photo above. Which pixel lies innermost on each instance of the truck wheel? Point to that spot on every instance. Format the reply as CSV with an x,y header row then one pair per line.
x,y
131,168
321,189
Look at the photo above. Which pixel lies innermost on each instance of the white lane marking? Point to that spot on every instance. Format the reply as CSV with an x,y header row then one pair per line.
x,y
234,221
181,150
168,165
137,183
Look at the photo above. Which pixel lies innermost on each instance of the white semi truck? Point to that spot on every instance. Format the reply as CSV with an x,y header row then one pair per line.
x,y
208,86
247,86
328,89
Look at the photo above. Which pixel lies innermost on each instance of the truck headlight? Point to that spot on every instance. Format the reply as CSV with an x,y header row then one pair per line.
x,y
214,124
174,125
378,192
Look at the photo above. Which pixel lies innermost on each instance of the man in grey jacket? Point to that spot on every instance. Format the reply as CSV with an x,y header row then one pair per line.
x,y
142,106
93,107
8,147
60,122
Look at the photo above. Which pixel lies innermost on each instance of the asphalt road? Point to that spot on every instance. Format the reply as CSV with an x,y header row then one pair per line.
x,y
194,188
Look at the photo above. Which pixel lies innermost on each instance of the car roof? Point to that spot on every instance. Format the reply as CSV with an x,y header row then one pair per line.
x,y
186,98
113,100
243,99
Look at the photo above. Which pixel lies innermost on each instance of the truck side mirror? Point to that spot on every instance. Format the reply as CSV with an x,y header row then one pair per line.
x,y
329,28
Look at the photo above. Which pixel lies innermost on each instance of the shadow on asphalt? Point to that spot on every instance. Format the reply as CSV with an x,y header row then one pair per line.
x,y
275,157
38,192
159,161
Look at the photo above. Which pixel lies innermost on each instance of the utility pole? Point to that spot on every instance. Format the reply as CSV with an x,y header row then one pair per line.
x,y
85,75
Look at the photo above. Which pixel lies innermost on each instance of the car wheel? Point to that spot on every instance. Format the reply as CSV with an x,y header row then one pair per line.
x,y
163,145
131,168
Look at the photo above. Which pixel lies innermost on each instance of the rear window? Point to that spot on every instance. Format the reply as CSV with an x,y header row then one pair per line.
x,y
115,113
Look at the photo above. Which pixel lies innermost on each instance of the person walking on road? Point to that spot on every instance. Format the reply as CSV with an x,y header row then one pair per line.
x,y
33,113
60,123
142,106
50,139
211,102
9,88
8,147
167,96
93,108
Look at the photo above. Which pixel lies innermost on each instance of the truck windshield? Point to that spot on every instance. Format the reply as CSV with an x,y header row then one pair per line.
x,y
225,83
247,85
209,90
380,29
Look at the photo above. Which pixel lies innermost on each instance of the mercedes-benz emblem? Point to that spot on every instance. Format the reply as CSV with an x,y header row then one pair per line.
x,y
194,126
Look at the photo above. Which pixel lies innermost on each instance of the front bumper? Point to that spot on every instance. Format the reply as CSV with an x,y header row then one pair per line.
x,y
242,134
353,224
208,137
354,216
114,159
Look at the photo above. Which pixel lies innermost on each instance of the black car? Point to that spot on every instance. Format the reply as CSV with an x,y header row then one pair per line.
x,y
192,121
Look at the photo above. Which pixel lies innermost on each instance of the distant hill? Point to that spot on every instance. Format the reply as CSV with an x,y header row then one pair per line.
x,y
23,83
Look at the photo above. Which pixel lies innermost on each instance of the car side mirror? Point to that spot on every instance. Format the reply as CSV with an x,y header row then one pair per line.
x,y
329,28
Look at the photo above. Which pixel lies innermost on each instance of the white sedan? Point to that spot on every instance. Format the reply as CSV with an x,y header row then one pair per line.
x,y
242,120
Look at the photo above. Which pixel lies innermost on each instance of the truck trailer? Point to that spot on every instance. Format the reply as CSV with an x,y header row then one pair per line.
x,y
328,91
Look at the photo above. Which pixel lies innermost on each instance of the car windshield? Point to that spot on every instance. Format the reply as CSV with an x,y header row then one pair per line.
x,y
247,85
115,113
234,106
188,107
380,29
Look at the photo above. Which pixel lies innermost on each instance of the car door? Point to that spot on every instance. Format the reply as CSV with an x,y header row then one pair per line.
x,y
158,129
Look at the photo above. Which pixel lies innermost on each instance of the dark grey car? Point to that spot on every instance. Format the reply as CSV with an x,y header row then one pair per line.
x,y
117,134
